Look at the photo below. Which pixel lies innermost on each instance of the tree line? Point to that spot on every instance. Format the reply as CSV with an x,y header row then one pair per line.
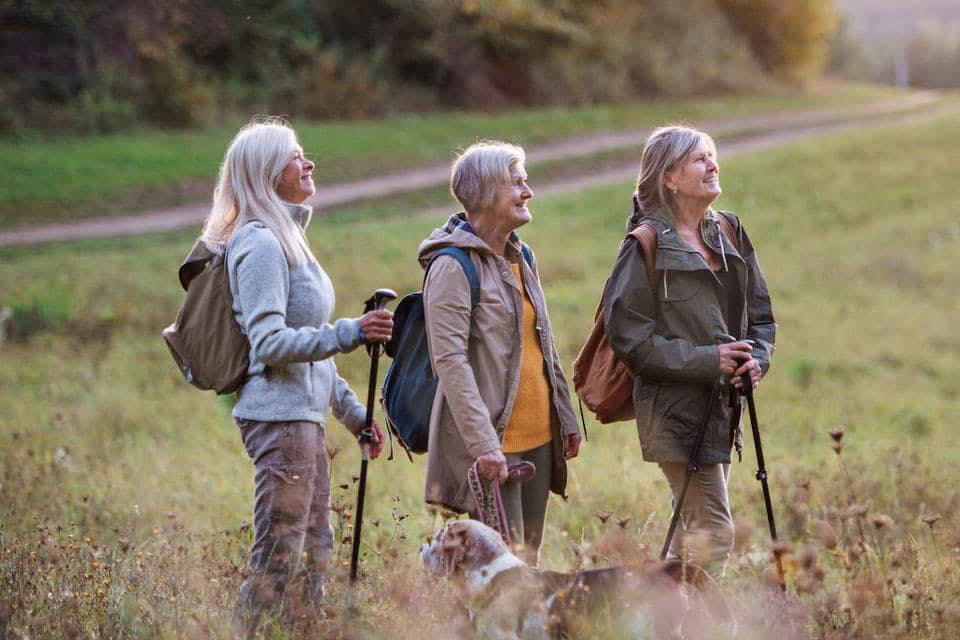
x,y
74,65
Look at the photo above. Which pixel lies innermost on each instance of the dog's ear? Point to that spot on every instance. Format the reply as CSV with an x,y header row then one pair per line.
x,y
454,545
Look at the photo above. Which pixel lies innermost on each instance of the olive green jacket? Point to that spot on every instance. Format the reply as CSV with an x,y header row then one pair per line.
x,y
668,337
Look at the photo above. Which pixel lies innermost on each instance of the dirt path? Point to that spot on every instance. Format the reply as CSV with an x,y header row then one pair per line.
x,y
749,134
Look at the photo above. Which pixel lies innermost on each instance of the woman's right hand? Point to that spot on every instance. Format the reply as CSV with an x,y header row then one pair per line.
x,y
493,464
377,326
732,354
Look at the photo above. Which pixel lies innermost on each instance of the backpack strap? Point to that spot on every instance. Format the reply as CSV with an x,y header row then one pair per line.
x,y
647,237
468,269
527,255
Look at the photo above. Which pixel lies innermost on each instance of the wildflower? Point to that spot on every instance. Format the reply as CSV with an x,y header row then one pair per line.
x,y
837,433
603,516
931,519
881,521
804,483
855,510
623,522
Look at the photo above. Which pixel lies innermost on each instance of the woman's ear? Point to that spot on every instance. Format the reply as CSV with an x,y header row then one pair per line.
x,y
668,183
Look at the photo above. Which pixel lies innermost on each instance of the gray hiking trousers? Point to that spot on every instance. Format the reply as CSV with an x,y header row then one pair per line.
x,y
293,540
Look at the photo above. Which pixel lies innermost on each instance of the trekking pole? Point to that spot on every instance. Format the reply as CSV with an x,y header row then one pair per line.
x,y
376,302
761,475
692,467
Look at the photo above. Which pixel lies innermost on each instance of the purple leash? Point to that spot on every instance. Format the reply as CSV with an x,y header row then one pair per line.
x,y
490,502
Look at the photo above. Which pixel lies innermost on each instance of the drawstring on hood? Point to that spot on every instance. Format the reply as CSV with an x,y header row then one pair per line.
x,y
723,251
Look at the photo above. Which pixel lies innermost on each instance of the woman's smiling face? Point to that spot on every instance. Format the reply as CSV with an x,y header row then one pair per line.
x,y
296,181
696,177
510,204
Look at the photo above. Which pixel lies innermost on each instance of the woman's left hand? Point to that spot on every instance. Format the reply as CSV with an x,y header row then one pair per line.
x,y
751,367
376,445
571,445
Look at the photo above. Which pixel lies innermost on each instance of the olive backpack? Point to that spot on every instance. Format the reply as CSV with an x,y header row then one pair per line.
x,y
205,340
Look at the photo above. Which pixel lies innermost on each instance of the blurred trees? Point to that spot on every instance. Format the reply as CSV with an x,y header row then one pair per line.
x,y
96,66
789,37
915,44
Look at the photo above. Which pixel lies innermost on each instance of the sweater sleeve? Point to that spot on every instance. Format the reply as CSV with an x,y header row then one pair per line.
x,y
259,268
345,405
630,321
446,303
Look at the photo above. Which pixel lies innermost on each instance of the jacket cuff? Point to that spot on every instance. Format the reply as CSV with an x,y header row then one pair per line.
x,y
708,361
480,447
348,334
355,420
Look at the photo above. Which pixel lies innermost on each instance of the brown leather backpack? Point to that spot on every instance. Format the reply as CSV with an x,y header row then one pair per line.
x,y
205,340
601,381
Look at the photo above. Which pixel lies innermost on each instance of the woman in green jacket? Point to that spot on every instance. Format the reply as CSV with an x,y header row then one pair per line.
x,y
667,335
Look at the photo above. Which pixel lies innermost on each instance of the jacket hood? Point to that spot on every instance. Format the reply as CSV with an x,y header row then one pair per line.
x,y
457,232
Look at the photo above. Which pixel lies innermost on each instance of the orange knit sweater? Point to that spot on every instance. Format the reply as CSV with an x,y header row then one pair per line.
x,y
529,425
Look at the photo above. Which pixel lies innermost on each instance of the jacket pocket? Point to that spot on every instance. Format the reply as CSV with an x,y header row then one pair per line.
x,y
678,286
494,321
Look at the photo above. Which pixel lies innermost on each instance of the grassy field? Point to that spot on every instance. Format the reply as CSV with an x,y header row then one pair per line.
x,y
125,496
51,180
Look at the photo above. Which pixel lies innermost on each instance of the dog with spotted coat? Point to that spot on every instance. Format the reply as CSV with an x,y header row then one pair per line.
x,y
508,599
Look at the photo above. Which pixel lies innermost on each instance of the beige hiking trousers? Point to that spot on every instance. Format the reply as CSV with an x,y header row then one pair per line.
x,y
705,534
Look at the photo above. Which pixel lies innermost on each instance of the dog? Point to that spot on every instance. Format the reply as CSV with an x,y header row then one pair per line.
x,y
508,599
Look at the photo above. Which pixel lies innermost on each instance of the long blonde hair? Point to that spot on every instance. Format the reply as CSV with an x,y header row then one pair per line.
x,y
247,189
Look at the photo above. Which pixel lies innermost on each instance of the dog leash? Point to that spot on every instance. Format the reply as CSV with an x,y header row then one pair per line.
x,y
490,501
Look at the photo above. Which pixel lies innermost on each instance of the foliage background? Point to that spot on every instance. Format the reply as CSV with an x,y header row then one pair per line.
x,y
101,66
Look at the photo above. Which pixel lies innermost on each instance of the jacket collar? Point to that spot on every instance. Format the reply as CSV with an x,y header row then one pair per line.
x,y
300,213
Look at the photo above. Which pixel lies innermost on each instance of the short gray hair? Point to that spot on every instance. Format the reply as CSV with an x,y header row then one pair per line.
x,y
479,170
665,147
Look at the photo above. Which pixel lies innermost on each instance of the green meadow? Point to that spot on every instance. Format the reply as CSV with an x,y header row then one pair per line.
x,y
49,180
125,501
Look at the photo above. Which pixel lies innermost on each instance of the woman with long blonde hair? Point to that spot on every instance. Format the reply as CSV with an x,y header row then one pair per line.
x,y
283,300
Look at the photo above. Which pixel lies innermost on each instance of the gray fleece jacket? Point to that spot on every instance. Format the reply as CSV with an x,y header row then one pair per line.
x,y
285,313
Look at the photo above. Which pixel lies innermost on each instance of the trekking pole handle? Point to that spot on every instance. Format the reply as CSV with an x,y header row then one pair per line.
x,y
379,299
376,302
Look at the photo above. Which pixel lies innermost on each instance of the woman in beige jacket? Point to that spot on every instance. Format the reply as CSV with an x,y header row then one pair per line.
x,y
502,396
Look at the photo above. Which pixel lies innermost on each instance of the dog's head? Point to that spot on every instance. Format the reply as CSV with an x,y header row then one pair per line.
x,y
461,546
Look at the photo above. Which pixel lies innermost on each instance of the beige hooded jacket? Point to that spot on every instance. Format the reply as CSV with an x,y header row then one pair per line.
x,y
478,362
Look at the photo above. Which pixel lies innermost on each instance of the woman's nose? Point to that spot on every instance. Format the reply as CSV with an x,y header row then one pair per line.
x,y
527,192
308,164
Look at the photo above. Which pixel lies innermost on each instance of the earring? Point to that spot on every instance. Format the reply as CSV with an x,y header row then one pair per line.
x,y
674,190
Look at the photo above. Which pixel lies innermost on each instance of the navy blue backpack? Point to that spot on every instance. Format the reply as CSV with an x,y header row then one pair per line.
x,y
410,386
